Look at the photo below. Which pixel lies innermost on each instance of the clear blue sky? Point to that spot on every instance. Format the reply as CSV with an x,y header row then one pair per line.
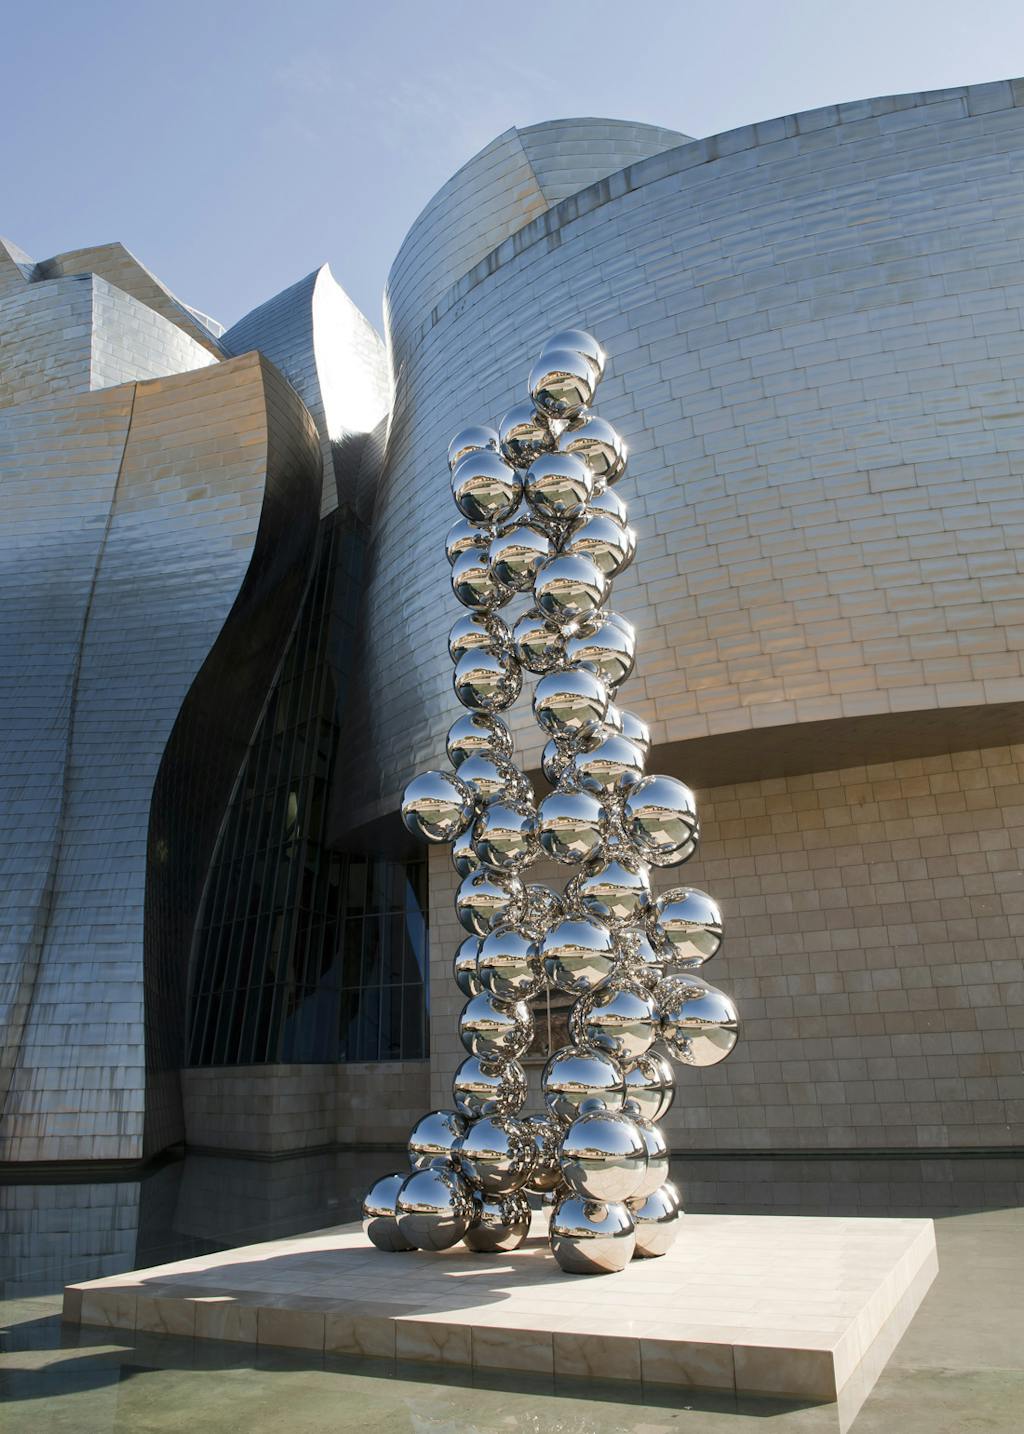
x,y
234,145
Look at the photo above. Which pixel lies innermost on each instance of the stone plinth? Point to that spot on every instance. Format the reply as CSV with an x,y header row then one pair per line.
x,y
792,1307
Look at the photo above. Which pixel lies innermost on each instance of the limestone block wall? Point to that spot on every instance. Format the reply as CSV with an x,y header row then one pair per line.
x,y
874,943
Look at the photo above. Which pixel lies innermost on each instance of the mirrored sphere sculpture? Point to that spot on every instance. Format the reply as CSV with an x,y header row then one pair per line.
x,y
380,1220
540,535
590,1237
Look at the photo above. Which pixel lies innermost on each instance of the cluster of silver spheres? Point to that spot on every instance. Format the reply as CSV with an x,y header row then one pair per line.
x,y
539,517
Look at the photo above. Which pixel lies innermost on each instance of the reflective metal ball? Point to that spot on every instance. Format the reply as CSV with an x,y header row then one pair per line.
x,y
566,587
478,732
651,1084
537,642
606,644
573,1076
474,582
490,777
500,1223
562,383
478,631
578,954
509,964
614,890
505,834
471,439
437,806
699,1023
692,924
525,434
569,825
434,1208
569,705
495,1087
660,817
608,501
558,486
464,967
546,1174
657,1156
608,764
380,1222
487,898
578,341
495,1030
656,1218
434,1137
554,760
486,681
463,537
643,954
589,1237
637,730
620,1017
497,1154
603,539
486,489
603,1156
516,552
595,441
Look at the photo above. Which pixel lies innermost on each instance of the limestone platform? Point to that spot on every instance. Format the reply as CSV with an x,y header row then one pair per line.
x,y
806,1308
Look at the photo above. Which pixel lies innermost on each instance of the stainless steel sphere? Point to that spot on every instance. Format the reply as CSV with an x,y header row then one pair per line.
x,y
546,1175
692,924
566,587
487,898
474,583
614,890
463,537
380,1221
434,1208
471,439
486,681
603,539
555,759
570,826
643,954
589,1237
604,643
650,1085
558,486
509,964
505,834
699,1023
657,1156
482,1087
578,954
477,732
620,1017
603,1156
595,441
637,730
543,908
578,341
574,1076
607,764
660,818
516,552
464,967
434,1137
656,1218
608,501
486,489
525,434
437,806
497,1154
500,1223
490,777
538,643
495,1030
478,631
569,705
562,383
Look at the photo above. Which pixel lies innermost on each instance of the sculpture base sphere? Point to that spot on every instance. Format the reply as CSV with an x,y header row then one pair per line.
x,y
498,1224
434,1208
380,1223
590,1238
656,1218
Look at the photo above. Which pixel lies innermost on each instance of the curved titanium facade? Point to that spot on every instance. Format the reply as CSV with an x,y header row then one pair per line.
x,y
814,330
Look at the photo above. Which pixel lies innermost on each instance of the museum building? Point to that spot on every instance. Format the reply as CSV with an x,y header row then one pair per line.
x,y
224,608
